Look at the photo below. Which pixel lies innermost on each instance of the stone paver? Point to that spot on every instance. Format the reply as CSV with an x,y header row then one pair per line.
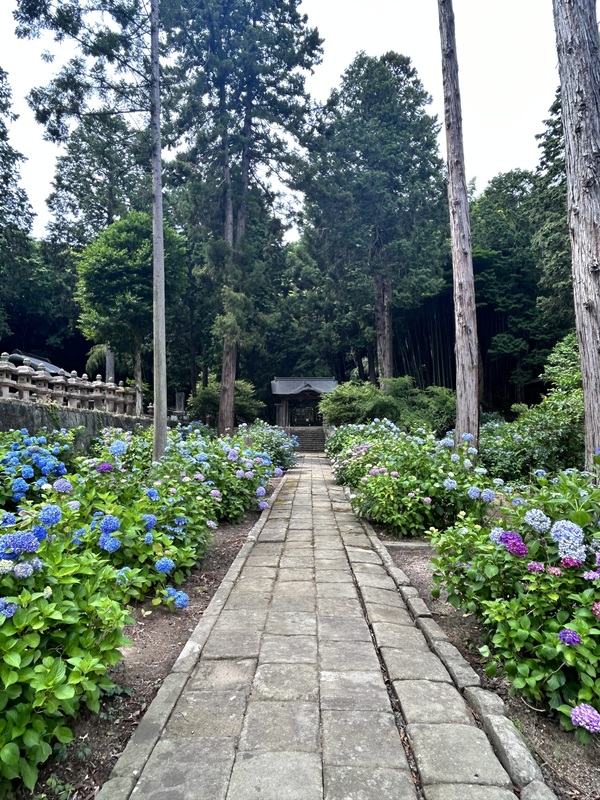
x,y
280,693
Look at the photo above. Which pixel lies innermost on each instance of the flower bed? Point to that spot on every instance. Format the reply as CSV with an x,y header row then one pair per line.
x,y
526,559
81,538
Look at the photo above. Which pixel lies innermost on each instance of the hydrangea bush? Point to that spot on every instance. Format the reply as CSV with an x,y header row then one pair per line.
x,y
409,481
80,539
533,576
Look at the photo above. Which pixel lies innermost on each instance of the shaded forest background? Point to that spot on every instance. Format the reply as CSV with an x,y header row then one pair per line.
x,y
313,238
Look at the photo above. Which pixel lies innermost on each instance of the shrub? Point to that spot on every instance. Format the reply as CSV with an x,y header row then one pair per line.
x,y
530,577
206,401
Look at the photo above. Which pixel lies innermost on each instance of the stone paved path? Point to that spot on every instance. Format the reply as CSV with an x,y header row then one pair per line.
x,y
317,674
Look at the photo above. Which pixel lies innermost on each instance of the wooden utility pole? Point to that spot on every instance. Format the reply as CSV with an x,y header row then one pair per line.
x,y
465,320
577,44
158,250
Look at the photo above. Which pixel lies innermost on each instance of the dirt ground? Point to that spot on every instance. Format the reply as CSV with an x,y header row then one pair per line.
x,y
571,769
78,770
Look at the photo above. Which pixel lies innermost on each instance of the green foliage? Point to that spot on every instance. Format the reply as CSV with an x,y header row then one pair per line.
x,y
206,401
548,436
399,401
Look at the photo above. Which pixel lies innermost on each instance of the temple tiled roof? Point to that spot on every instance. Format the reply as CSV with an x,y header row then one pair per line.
x,y
287,386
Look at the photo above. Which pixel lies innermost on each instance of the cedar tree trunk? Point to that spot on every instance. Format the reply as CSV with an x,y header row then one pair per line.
x,y
577,45
383,327
465,320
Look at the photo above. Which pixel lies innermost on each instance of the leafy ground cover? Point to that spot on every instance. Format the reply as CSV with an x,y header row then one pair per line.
x,y
523,556
82,540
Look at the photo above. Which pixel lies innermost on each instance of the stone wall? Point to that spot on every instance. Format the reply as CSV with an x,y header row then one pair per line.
x,y
34,416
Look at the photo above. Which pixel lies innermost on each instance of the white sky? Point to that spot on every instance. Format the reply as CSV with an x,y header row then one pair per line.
x,y
507,62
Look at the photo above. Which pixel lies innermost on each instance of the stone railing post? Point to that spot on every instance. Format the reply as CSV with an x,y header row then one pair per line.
x,y
73,390
120,399
130,401
41,384
99,393
7,376
24,385
58,386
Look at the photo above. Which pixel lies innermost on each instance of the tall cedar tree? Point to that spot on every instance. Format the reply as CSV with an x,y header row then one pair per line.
x,y
241,74
578,45
373,184
466,342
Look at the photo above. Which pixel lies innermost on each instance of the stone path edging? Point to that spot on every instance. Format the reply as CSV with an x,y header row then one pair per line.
x,y
138,750
488,707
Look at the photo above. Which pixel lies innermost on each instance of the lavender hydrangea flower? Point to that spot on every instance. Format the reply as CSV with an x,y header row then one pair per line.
x,y
537,520
63,485
586,716
211,523
569,637
450,484
232,455
23,570
260,492
278,472
239,473
592,575
263,504
74,505
596,609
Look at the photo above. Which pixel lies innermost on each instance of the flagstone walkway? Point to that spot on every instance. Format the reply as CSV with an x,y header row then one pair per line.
x,y
317,673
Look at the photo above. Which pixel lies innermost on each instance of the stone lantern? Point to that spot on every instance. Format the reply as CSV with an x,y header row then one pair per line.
x,y
120,398
98,393
58,386
41,384
73,390
24,385
7,376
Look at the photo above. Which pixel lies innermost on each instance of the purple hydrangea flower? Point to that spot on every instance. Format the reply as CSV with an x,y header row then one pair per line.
x,y
586,716
239,473
104,467
215,493
596,609
556,571
278,472
518,549
536,566
211,523
592,575
232,455
570,637
569,562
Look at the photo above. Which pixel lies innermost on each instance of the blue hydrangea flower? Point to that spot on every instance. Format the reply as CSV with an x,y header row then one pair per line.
x,y
261,492
148,538
8,609
495,535
14,544
540,473
181,600
474,492
74,505
467,437
180,521
447,442
569,537
152,494
263,504
39,532
50,515
124,576
164,565
450,484
488,495
239,473
201,457
118,448
278,472
455,457
109,523
76,539
20,486
27,471
109,543
498,482
537,520
472,451
170,591
150,520
8,519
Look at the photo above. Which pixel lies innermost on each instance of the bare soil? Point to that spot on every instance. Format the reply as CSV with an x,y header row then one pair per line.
x,y
78,770
571,769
